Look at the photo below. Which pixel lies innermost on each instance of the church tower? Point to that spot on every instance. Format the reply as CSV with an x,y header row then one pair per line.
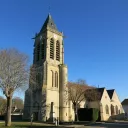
x,y
47,101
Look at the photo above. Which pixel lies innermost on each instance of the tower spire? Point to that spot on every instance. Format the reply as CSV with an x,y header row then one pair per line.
x,y
49,23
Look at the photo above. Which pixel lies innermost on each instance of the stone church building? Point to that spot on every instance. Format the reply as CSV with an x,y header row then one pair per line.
x,y
45,100
48,58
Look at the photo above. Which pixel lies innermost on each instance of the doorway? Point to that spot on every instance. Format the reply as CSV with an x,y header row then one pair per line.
x,y
35,116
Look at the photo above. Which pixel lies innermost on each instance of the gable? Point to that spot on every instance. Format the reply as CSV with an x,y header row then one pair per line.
x,y
105,96
115,97
110,93
101,91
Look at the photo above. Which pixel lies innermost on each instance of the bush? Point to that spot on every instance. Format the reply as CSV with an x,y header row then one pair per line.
x,y
88,114
95,114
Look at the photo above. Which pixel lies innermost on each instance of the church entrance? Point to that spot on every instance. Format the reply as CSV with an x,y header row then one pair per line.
x,y
35,116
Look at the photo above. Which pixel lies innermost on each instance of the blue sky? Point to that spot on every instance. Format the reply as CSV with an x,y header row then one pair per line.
x,y
96,31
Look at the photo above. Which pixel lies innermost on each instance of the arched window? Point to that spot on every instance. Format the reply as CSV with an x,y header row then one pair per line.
x,y
38,52
101,108
51,49
107,109
38,78
52,78
112,110
57,50
43,49
116,109
56,79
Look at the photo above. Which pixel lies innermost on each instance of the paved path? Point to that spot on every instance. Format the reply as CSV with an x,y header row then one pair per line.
x,y
108,125
100,125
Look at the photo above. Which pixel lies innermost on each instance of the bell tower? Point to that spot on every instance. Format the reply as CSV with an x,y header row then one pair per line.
x,y
48,58
48,44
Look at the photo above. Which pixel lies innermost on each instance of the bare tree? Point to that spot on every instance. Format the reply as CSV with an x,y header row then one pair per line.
x,y
14,74
92,95
76,93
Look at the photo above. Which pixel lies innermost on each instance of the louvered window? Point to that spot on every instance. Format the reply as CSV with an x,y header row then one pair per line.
x,y
58,51
43,49
38,52
51,49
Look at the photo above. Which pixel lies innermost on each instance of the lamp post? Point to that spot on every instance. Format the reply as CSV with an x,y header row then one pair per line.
x,y
31,119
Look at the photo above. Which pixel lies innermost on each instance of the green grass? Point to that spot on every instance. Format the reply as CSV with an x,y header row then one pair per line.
x,y
26,125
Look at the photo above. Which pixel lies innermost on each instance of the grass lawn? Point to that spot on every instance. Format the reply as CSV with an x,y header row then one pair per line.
x,y
26,125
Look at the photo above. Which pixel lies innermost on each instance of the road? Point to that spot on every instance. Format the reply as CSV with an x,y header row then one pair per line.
x,y
108,125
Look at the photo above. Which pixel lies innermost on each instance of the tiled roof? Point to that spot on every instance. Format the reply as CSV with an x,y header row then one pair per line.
x,y
110,93
125,102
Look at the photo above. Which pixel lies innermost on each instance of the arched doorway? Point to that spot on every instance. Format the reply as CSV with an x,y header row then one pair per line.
x,y
117,110
35,111
112,110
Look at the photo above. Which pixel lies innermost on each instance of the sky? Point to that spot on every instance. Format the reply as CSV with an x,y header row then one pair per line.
x,y
96,36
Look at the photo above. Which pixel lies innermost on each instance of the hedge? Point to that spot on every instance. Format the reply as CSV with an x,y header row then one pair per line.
x,y
88,114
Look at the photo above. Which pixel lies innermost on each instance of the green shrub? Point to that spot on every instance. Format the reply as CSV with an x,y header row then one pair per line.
x,y
95,114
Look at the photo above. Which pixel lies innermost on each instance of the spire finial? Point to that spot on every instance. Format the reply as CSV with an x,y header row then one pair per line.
x,y
49,7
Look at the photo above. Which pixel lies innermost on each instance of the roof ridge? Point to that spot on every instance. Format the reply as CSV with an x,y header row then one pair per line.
x,y
110,89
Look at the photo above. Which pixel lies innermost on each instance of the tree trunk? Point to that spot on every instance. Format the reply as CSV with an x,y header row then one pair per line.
x,y
75,112
8,112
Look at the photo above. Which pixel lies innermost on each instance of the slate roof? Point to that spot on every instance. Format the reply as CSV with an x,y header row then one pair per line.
x,y
110,93
100,90
48,23
125,102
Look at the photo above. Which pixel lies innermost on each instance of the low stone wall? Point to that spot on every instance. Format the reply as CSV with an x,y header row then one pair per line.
x,y
118,117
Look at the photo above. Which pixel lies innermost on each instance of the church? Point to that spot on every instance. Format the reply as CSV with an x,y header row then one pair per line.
x,y
45,100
